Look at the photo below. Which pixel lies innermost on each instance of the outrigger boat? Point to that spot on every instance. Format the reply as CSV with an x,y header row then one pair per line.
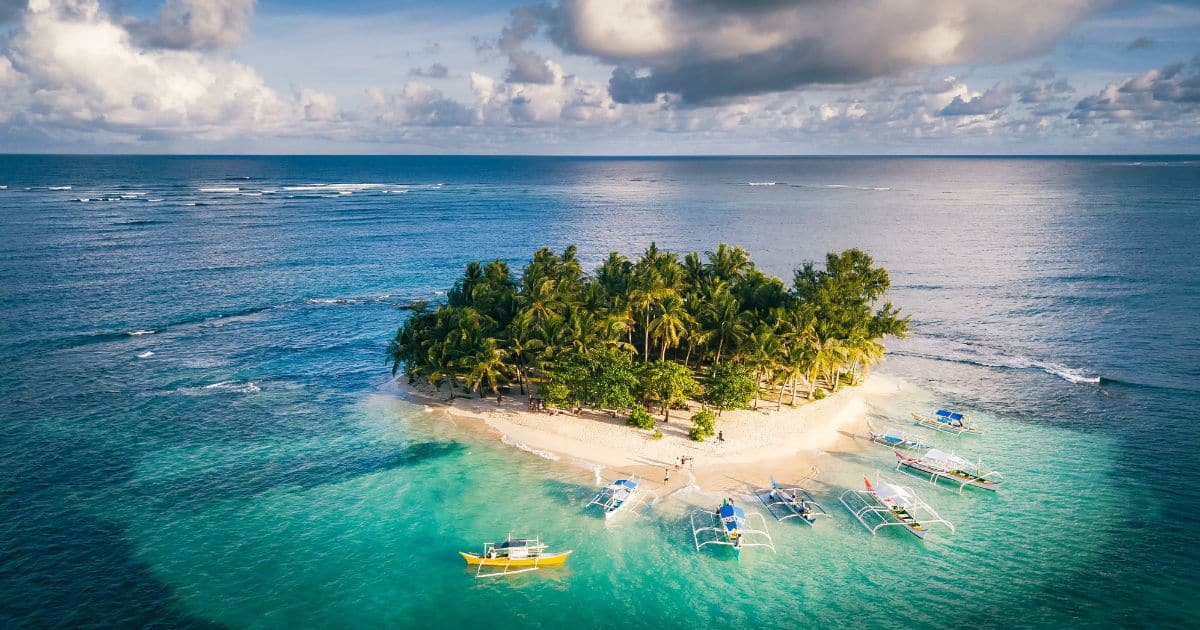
x,y
512,556
620,495
784,503
941,465
896,439
891,505
948,422
730,525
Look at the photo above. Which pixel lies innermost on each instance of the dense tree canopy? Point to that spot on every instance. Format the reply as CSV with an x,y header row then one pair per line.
x,y
657,329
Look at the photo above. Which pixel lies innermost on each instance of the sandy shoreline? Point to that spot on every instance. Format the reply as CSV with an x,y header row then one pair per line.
x,y
788,443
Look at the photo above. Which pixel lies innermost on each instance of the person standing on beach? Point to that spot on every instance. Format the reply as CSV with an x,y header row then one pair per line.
x,y
666,476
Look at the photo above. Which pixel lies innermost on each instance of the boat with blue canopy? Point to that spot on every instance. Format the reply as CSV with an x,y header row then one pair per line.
x,y
896,439
622,495
784,503
732,526
948,422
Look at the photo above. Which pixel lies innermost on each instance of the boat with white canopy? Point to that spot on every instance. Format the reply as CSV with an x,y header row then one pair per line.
x,y
512,556
622,495
894,438
732,526
942,466
891,505
948,422
784,503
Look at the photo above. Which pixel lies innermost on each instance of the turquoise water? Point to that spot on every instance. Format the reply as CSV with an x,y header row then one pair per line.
x,y
255,471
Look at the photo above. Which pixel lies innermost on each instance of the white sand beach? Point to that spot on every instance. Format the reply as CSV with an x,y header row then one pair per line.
x,y
757,444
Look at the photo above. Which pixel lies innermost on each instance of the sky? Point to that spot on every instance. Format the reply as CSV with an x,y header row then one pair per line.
x,y
600,77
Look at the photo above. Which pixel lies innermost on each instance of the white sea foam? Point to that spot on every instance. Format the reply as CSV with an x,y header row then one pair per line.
x,y
59,188
189,203
528,449
761,183
981,355
83,199
3,187
248,387
428,409
836,186
139,333
145,355
220,189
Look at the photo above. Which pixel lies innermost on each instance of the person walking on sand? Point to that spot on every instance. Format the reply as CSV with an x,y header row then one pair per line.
x,y
720,436
666,476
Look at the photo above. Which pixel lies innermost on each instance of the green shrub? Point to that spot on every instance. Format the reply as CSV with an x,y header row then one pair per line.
x,y
819,394
729,386
657,435
640,418
696,433
705,422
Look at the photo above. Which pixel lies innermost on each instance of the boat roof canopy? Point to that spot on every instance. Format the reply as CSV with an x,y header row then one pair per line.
x,y
898,495
734,511
512,543
936,455
953,415
625,483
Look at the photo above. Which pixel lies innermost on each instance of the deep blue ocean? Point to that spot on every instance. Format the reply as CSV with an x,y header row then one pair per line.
x,y
196,430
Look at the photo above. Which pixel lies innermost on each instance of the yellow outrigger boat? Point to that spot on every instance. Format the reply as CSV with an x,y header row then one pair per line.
x,y
514,555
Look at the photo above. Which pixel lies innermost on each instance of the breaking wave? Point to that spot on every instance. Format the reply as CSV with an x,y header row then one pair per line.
x,y
528,449
977,354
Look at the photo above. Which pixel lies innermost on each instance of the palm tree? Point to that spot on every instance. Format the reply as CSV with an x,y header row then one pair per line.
x,y
522,342
794,363
489,365
828,355
671,324
724,319
764,349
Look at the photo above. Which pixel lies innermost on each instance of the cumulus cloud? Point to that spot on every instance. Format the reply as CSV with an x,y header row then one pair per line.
x,y
524,66
564,99
416,103
1169,94
434,71
705,51
195,24
77,68
995,99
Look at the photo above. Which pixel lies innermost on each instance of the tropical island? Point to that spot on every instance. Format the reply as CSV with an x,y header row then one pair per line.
x,y
653,350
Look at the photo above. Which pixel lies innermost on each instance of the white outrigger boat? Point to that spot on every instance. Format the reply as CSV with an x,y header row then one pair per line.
x,y
894,438
891,505
940,465
948,422
784,503
512,556
730,525
622,495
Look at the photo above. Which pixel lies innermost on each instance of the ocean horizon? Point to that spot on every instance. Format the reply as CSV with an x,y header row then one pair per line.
x,y
201,430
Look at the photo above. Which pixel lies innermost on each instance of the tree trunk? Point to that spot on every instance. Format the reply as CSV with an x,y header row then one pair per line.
x,y
646,338
720,347
688,357
663,355
812,383
779,403
793,391
757,385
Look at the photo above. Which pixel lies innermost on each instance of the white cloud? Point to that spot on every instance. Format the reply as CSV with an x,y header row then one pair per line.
x,y
82,70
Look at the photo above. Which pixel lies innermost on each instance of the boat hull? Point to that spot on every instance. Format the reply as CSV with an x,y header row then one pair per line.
x,y
949,476
546,560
